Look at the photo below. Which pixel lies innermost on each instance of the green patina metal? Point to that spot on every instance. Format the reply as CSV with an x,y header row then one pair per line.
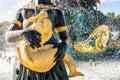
x,y
82,24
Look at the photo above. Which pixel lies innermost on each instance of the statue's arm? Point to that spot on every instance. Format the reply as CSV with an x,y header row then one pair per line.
x,y
61,26
61,30
15,30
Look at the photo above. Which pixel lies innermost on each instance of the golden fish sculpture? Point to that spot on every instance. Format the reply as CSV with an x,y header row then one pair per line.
x,y
42,59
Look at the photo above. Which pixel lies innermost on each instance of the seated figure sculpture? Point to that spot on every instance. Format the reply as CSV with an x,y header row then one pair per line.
x,y
88,33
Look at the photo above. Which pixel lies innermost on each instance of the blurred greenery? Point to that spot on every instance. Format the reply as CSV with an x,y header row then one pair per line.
x,y
113,21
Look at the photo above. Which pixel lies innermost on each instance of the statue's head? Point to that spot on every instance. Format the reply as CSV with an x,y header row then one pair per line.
x,y
42,2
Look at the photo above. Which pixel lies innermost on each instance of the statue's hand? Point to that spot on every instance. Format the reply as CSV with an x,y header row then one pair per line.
x,y
61,51
33,38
